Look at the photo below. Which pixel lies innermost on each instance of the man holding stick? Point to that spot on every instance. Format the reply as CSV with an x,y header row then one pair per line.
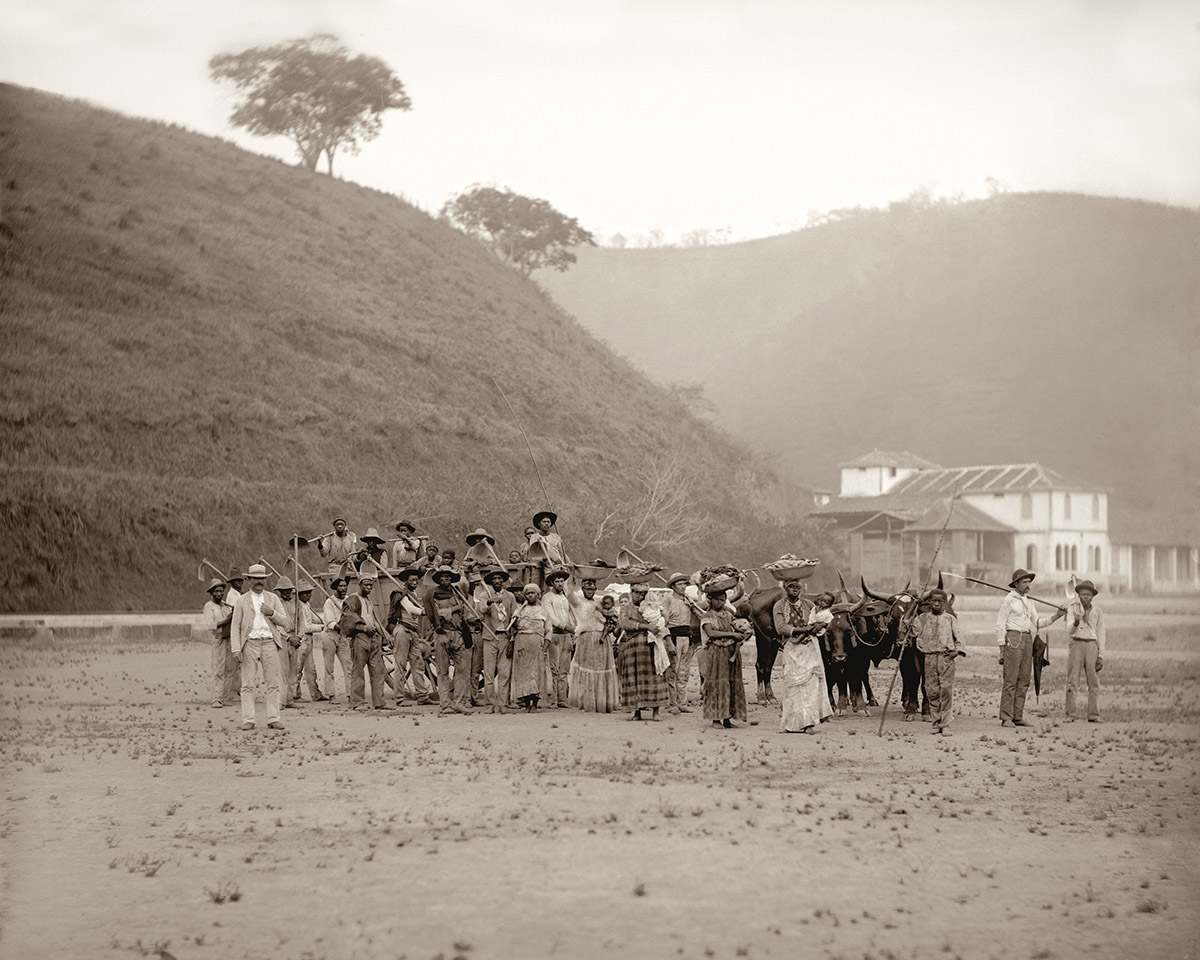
x,y
937,638
334,646
359,626
409,647
1016,623
1085,627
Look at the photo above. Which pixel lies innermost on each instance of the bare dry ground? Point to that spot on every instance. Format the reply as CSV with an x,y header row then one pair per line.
x,y
139,821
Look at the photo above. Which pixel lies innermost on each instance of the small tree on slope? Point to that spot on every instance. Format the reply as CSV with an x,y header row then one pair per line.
x,y
313,92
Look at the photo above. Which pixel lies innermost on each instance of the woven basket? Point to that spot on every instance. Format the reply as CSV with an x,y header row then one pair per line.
x,y
783,570
719,583
588,572
632,578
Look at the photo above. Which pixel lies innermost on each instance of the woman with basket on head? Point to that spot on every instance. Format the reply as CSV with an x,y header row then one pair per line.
x,y
805,698
724,688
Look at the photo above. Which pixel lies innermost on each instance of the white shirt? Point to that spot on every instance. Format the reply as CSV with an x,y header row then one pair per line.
x,y
558,609
1018,613
261,628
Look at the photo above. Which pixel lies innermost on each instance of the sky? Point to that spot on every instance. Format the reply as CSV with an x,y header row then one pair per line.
x,y
671,115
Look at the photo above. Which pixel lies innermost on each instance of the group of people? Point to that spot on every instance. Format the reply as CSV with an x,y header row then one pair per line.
x,y
537,633
531,634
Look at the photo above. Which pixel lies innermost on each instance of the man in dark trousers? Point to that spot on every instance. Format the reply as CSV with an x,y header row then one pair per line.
x,y
446,612
359,625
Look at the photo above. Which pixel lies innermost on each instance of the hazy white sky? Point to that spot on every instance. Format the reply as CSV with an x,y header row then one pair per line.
x,y
637,114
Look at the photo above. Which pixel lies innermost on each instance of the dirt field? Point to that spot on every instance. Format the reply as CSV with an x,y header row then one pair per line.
x,y
138,820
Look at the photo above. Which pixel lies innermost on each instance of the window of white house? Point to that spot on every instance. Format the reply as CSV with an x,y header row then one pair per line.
x,y
1058,556
891,471
1066,506
1096,507
1026,506
1031,557
1074,558
1098,567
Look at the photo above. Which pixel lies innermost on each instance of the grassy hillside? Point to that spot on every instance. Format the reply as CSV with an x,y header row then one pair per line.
x,y
1061,328
208,350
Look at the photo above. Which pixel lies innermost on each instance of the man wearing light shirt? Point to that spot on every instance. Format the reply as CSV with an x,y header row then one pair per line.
x,y
310,626
339,547
256,638
334,646
1085,627
562,624
1016,623
678,614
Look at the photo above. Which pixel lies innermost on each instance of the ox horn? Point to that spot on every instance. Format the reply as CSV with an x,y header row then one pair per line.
x,y
941,582
867,591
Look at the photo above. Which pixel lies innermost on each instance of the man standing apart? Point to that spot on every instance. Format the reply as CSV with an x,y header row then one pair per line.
x,y
338,548
218,616
444,607
404,621
334,646
1085,627
256,638
1016,623
562,625
495,606
359,626
937,638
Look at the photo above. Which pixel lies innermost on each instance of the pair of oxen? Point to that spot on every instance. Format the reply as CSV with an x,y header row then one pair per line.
x,y
865,630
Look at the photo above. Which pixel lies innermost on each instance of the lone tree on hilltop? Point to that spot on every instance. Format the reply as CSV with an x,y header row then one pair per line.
x,y
524,231
313,92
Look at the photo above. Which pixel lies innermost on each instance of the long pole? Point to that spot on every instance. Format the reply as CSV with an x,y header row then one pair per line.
x,y
916,604
536,468
528,445
996,586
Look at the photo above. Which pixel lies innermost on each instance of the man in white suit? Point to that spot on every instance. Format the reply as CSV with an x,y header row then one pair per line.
x,y
256,636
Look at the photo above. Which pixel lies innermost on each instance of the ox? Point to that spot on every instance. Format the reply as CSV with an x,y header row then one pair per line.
x,y
757,609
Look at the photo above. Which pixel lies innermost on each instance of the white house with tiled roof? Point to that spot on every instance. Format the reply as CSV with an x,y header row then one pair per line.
x,y
893,506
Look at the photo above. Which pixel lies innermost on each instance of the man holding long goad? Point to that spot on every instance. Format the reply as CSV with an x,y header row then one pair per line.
x,y
1016,623
937,638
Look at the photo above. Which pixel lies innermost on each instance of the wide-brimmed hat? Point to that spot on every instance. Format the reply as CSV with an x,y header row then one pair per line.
x,y
1019,574
675,578
1086,585
494,571
372,534
285,584
537,517
236,575
453,574
408,524
558,573
213,584
409,572
480,534
256,572
304,587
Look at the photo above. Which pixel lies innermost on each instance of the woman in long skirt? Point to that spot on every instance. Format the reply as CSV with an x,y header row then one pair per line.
x,y
530,630
593,681
805,697
642,686
724,688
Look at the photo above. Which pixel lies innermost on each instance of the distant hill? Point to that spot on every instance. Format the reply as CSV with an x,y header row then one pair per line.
x,y
1052,327
207,351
